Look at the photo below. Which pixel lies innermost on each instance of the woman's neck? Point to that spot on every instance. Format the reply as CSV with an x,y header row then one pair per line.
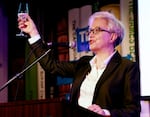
x,y
102,56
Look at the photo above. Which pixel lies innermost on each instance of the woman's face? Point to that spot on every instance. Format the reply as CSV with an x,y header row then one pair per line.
x,y
99,36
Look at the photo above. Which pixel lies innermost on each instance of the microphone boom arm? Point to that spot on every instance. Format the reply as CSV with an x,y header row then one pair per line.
x,y
24,70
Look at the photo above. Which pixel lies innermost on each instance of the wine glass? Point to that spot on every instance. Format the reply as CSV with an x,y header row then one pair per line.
x,y
23,10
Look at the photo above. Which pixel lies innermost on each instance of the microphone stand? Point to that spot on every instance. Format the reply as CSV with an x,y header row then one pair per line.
x,y
24,70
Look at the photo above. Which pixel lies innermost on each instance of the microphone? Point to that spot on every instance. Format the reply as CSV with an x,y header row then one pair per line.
x,y
62,44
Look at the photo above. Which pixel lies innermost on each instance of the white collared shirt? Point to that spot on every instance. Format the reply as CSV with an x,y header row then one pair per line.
x,y
34,39
88,86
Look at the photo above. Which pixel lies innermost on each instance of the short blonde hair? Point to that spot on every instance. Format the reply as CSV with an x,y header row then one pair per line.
x,y
114,25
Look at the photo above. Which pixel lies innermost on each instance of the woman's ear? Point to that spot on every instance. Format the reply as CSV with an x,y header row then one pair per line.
x,y
114,36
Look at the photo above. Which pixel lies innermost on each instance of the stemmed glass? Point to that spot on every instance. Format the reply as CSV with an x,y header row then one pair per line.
x,y
23,9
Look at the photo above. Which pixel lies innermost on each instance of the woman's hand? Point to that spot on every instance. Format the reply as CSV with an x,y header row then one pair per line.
x,y
27,25
97,109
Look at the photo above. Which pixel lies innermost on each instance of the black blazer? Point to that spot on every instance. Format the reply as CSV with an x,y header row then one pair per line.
x,y
118,89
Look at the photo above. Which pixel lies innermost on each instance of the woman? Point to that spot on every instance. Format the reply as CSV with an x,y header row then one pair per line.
x,y
106,83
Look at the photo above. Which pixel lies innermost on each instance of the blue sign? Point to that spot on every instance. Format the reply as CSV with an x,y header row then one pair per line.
x,y
82,39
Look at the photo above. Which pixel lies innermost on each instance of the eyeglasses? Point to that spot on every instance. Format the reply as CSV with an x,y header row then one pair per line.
x,y
96,31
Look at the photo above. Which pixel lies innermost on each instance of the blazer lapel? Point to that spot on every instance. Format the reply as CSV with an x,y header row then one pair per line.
x,y
109,70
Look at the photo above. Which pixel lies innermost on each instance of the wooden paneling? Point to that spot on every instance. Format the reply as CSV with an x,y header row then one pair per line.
x,y
34,108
